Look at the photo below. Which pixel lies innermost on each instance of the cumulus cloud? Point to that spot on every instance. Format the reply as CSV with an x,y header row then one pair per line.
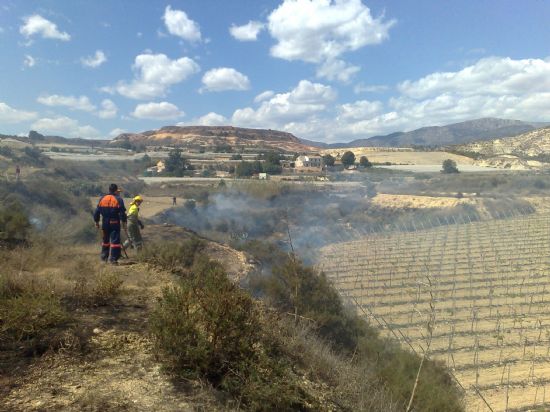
x,y
154,75
491,87
268,94
157,111
10,115
74,103
360,109
29,61
64,126
224,78
337,70
319,30
301,104
209,119
116,131
247,32
370,88
108,109
178,24
493,75
94,61
38,25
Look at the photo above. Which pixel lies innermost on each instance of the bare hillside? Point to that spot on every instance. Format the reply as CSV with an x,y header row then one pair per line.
x,y
523,151
190,136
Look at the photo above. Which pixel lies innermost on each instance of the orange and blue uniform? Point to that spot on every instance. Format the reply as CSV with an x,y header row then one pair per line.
x,y
112,211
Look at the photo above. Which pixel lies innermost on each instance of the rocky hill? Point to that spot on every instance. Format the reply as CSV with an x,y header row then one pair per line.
x,y
211,136
457,133
527,150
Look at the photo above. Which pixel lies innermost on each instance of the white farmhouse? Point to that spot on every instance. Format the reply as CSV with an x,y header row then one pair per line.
x,y
309,162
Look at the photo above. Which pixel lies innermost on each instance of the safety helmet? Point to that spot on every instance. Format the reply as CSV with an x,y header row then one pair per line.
x,y
138,198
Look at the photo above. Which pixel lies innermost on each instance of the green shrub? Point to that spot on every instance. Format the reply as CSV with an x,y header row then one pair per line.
x,y
298,289
14,223
29,320
206,327
172,255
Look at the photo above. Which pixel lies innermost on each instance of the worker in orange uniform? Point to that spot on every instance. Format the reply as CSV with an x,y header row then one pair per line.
x,y
113,215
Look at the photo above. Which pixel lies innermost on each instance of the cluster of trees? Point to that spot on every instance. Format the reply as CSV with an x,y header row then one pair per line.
x,y
176,164
347,159
271,165
449,166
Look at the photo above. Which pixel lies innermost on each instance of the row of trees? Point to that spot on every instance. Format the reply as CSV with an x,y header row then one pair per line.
x,y
347,159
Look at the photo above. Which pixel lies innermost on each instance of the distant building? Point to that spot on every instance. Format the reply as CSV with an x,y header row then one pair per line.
x,y
161,166
263,176
308,162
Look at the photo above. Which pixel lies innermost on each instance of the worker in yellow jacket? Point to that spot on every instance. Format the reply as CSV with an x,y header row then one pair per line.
x,y
134,224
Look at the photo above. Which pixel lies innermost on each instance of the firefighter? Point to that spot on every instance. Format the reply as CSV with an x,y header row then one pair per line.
x,y
134,225
113,213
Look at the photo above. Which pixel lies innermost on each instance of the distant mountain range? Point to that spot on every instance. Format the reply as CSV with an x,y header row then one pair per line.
x,y
456,133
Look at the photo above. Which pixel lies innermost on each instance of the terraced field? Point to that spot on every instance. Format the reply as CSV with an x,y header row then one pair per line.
x,y
483,286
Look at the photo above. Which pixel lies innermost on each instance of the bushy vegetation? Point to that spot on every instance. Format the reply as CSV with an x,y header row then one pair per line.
x,y
14,223
29,318
172,255
206,327
348,158
306,294
449,166
271,164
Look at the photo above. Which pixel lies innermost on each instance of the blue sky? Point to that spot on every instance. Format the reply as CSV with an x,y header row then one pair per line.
x,y
328,70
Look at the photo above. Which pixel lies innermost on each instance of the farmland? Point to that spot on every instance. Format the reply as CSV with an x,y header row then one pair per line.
x,y
474,296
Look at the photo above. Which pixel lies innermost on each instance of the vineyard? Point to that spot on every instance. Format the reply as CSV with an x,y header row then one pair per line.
x,y
475,296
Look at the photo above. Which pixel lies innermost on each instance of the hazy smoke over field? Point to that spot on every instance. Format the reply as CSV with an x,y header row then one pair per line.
x,y
315,216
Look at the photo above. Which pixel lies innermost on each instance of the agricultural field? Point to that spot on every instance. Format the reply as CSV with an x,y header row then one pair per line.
x,y
475,296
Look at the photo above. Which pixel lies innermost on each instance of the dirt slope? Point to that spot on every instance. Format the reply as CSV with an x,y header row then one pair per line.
x,y
112,366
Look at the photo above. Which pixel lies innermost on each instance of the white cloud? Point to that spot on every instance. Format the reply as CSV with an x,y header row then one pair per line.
x,y
493,76
360,109
154,74
74,103
94,61
224,78
64,126
371,88
10,115
29,61
491,87
157,111
268,94
178,24
247,32
115,132
108,109
319,30
302,104
209,119
36,24
337,70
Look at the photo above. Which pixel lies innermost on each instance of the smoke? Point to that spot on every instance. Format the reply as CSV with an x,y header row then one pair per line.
x,y
314,216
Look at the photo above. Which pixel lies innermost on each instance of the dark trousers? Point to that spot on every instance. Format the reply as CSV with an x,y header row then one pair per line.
x,y
111,243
